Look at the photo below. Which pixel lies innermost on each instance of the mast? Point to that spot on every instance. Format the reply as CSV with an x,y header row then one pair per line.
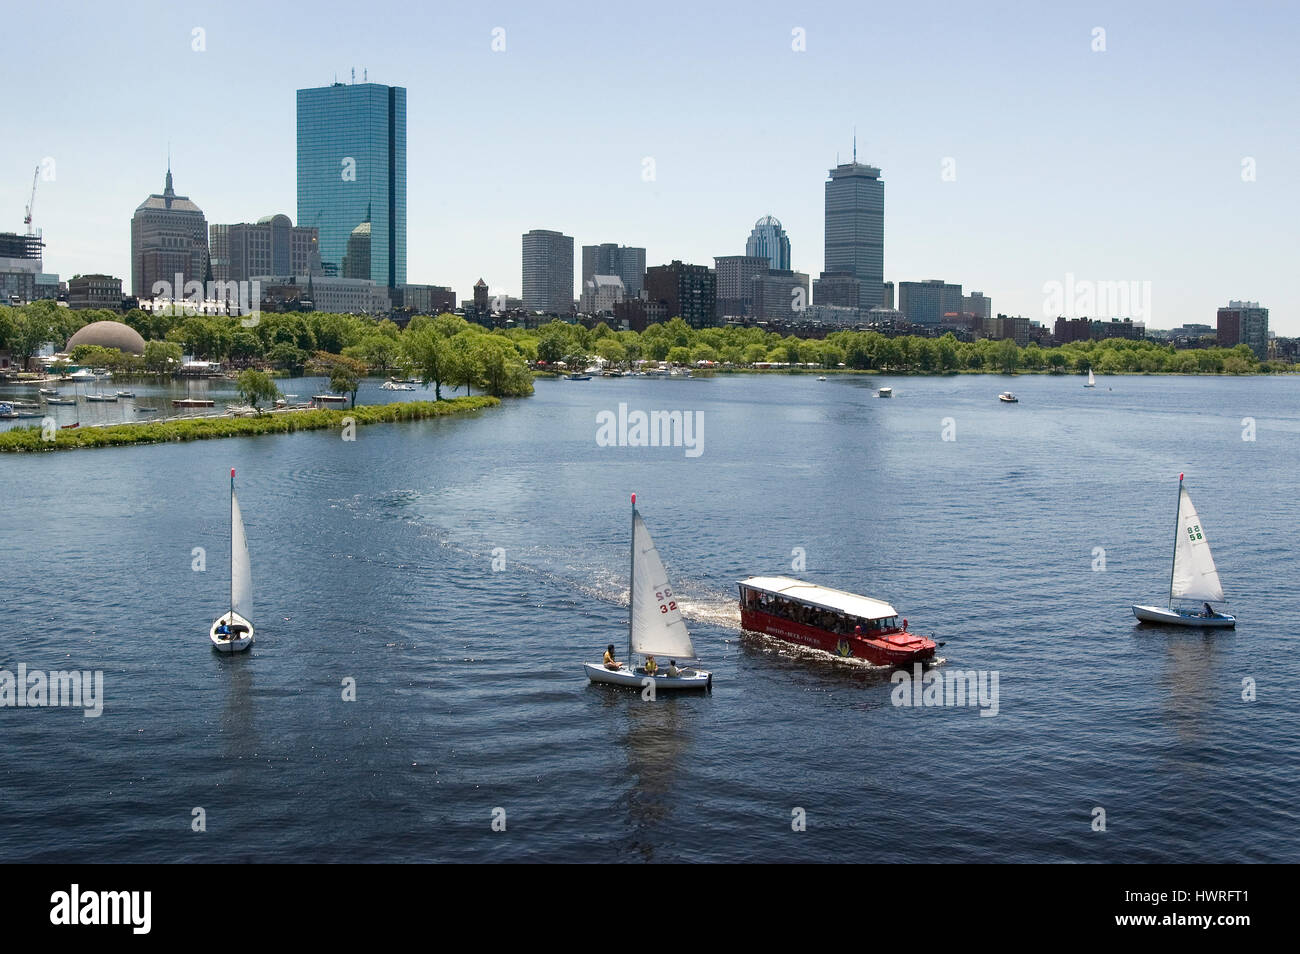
x,y
232,547
1173,562
631,584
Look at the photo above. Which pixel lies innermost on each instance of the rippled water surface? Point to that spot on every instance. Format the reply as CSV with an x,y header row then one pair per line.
x,y
373,562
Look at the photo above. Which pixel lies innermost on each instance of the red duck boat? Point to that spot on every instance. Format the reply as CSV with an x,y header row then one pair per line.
x,y
831,620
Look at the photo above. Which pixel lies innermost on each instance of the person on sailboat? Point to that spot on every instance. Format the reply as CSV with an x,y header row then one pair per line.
x,y
672,671
651,667
610,661
223,630
1209,610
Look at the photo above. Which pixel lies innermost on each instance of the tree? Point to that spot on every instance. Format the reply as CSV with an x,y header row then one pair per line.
x,y
431,357
255,386
345,373
32,327
161,357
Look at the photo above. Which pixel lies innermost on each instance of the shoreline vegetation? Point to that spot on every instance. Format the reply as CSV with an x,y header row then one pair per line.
x,y
448,351
31,439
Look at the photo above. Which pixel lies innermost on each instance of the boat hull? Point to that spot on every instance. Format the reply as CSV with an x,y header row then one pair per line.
x,y
1163,614
635,679
221,643
891,649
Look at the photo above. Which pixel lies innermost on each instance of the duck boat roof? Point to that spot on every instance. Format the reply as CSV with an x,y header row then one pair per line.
x,y
823,597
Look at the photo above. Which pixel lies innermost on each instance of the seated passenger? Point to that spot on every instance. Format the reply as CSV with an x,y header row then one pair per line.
x,y
610,661
651,667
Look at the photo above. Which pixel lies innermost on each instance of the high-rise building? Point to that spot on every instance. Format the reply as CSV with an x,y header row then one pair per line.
x,y
689,292
169,237
839,289
855,227
769,240
548,272
352,170
1244,322
481,299
735,282
270,246
925,303
781,293
626,262
976,304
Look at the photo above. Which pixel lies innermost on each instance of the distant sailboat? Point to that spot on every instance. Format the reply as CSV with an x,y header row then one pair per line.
x,y
655,624
237,625
1193,576
1092,382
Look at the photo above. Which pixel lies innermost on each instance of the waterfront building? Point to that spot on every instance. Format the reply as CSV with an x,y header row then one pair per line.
x,y
735,283
855,228
925,303
548,272
272,245
768,240
169,237
352,170
627,262
345,296
1244,322
686,291
108,334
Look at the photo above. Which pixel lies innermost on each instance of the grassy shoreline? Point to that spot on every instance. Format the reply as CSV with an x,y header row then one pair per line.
x,y
28,439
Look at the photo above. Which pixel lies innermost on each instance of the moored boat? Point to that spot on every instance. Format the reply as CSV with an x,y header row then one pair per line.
x,y
831,620
329,398
193,402
1192,577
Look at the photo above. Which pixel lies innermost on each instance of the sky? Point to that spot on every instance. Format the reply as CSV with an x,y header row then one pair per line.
x,y
1019,145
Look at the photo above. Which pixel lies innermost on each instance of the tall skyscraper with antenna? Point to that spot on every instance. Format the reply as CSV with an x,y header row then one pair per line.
x,y
855,226
352,171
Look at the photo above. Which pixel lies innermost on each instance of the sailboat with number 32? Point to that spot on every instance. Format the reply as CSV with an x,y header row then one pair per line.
x,y
1193,576
655,625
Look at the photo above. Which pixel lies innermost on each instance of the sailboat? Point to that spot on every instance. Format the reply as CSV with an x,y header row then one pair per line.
x,y
655,626
1193,576
240,628
1092,382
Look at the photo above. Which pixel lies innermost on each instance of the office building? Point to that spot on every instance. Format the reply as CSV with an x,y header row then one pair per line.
x,y
735,283
169,238
839,290
768,240
855,228
601,294
95,291
781,295
925,303
626,262
352,170
976,304
272,245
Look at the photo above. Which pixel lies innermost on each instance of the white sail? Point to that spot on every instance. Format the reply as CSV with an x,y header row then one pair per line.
x,y
657,625
1194,576
1091,380
241,574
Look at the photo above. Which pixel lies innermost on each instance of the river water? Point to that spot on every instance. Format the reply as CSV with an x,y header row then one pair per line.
x,y
458,572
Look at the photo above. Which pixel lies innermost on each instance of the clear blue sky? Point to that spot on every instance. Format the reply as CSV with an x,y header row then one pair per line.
x,y
1123,165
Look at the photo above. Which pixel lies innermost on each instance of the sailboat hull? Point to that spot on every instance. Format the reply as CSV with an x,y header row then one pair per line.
x,y
224,644
1170,617
635,679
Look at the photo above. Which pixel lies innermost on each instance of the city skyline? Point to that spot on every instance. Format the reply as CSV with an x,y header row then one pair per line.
x,y
1058,160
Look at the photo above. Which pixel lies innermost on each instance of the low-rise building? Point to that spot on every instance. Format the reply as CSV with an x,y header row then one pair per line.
x,y
95,291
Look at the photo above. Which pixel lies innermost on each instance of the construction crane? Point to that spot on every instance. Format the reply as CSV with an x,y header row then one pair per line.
x,y
27,219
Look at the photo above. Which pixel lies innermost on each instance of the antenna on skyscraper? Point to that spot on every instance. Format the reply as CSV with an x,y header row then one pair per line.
x,y
365,75
354,74
855,145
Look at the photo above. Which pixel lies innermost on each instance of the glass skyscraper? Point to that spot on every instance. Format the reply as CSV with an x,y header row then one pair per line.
x,y
855,228
770,241
352,170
